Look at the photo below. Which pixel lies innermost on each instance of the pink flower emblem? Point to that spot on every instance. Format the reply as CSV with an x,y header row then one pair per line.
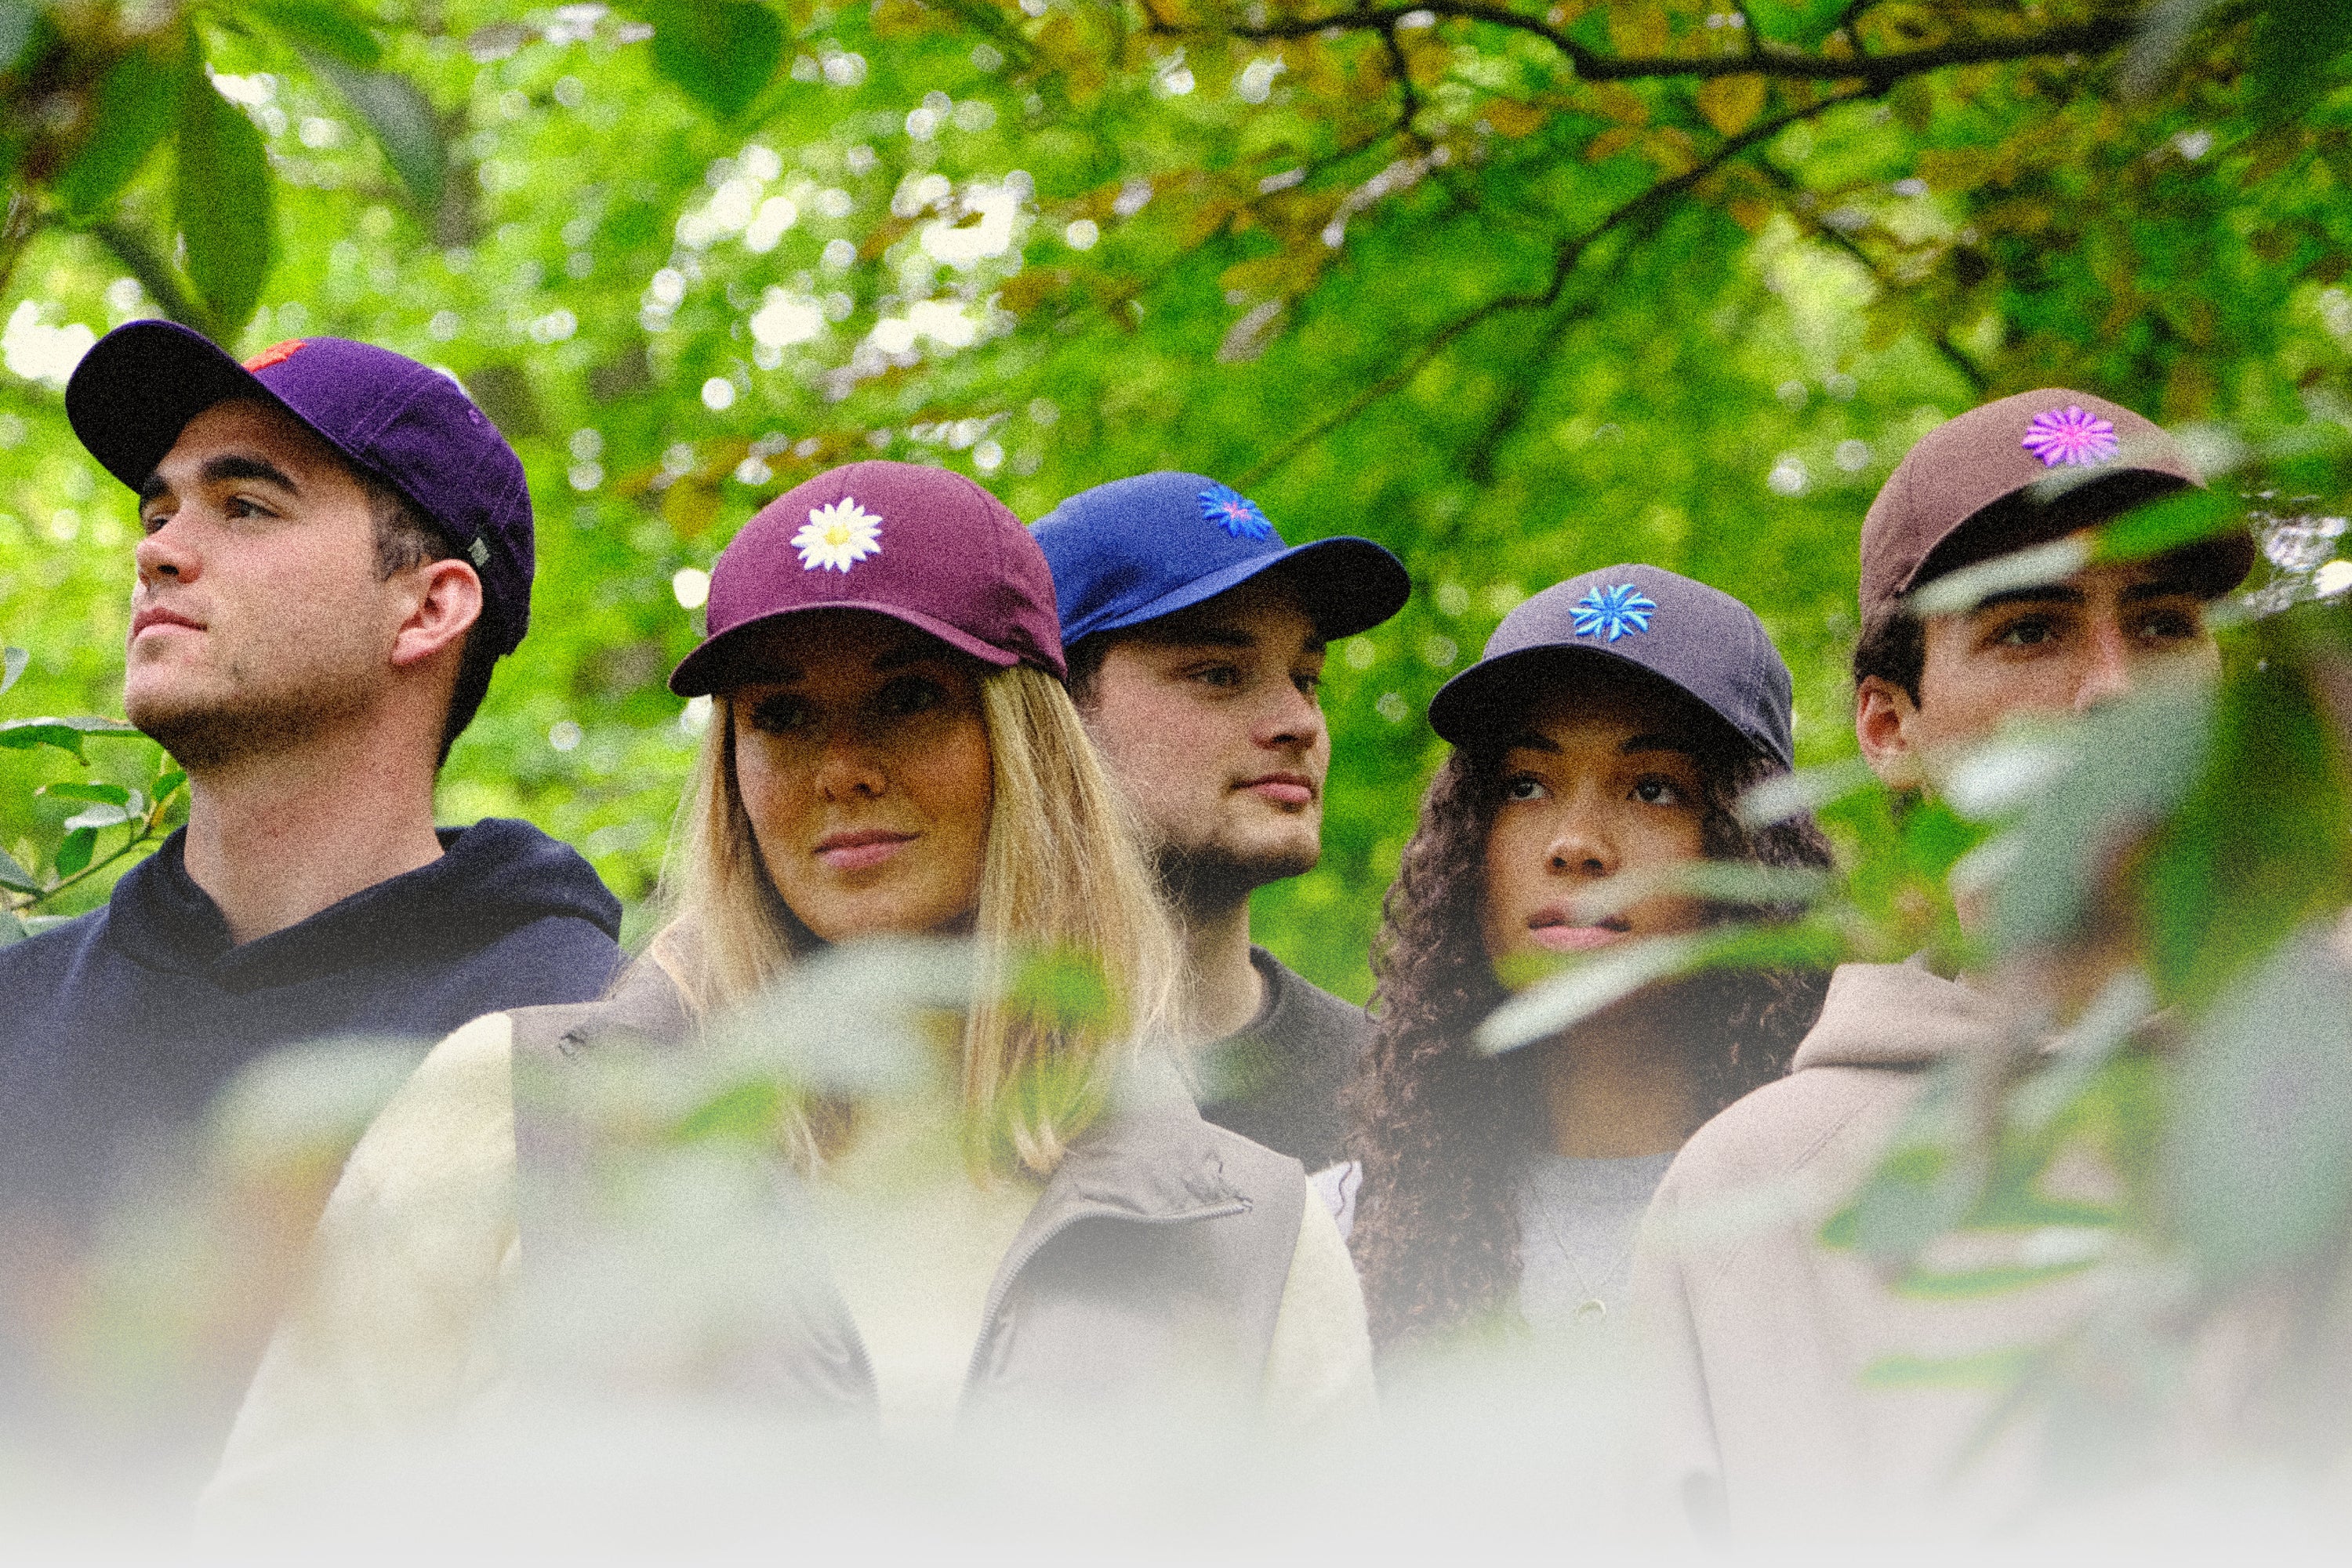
x,y
2070,436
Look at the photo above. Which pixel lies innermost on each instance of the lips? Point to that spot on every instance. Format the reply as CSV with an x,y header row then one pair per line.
x,y
1552,929
861,849
157,615
1289,790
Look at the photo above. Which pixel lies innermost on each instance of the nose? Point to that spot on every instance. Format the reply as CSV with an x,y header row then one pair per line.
x,y
2108,671
849,767
1289,721
1583,847
167,554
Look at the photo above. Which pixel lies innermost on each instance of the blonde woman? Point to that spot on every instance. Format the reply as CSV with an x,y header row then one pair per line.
x,y
891,753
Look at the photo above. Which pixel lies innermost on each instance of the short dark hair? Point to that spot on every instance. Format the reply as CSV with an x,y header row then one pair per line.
x,y
1085,659
1894,647
404,538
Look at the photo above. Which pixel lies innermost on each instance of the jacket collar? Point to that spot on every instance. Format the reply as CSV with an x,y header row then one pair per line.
x,y
1898,1016
1149,1156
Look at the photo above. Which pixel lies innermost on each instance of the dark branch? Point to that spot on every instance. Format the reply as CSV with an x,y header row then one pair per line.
x,y
1878,72
1564,264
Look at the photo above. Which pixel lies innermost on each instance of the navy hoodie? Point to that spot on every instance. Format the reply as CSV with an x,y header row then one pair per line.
x,y
118,1028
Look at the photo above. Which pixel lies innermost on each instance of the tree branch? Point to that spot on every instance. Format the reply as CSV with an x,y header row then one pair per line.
x,y
1564,263
1878,72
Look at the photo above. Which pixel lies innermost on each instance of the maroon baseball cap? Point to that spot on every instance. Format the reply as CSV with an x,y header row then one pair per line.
x,y
403,423
918,544
2020,471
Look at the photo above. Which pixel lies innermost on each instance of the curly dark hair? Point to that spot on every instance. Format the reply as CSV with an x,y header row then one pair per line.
x,y
1443,1131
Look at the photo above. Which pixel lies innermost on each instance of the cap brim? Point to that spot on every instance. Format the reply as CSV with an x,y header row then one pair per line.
x,y
1495,694
140,386
1355,585
716,665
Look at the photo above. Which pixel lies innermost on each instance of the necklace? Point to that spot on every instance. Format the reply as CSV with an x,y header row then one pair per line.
x,y
1592,1308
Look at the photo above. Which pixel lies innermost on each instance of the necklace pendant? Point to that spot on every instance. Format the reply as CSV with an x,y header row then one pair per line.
x,y
1591,1309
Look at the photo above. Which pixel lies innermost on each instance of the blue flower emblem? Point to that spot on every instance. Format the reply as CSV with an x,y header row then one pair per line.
x,y
1611,613
1235,513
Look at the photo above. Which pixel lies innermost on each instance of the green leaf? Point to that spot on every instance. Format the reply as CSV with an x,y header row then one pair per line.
x,y
104,793
223,205
315,26
401,123
130,111
13,661
722,52
168,786
1984,1369
65,735
96,816
12,929
1801,24
14,878
74,851
742,1113
1974,1284
2167,524
2296,53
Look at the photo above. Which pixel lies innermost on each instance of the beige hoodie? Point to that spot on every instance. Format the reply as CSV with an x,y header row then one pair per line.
x,y
1762,1334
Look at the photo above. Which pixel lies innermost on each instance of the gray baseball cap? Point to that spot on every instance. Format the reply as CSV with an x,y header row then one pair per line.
x,y
1699,640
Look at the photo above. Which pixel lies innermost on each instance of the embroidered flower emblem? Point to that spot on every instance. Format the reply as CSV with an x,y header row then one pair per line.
x,y
838,536
276,354
2070,436
1235,513
1612,613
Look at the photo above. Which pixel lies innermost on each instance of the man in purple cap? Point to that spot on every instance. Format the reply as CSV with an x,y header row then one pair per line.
x,y
1196,641
337,549
1765,1332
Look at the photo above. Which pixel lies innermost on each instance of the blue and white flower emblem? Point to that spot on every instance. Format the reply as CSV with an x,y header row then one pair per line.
x,y
1235,513
1611,613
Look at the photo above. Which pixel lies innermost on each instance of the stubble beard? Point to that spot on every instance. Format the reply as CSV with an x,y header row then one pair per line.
x,y
208,736
1208,878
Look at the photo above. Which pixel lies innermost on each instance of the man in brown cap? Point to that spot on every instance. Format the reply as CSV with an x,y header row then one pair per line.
x,y
1775,1411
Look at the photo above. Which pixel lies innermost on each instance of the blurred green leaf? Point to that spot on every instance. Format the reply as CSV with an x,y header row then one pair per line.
x,y
1062,991
12,665
74,851
223,204
401,122
130,111
742,1113
2263,842
320,28
2259,1171
65,735
1975,1284
14,878
2167,524
1799,23
1984,1369
2298,53
18,20
722,52
105,794
96,816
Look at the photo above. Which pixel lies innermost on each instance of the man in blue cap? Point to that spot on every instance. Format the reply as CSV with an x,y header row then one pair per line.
x,y
1196,640
337,548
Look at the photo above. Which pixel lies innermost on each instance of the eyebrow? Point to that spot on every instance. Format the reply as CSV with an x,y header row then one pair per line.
x,y
226,466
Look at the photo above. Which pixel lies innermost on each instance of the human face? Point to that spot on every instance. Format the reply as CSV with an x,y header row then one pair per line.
x,y
2056,648
1209,720
1596,786
862,759
258,619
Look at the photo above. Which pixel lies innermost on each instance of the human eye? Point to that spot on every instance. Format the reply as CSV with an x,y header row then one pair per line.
x,y
1224,677
1657,789
910,694
1308,681
1523,786
240,506
2171,623
783,714
2025,631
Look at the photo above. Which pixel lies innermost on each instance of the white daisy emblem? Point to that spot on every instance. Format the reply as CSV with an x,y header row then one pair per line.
x,y
839,536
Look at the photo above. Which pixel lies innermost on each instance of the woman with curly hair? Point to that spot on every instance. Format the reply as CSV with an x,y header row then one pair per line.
x,y
1607,734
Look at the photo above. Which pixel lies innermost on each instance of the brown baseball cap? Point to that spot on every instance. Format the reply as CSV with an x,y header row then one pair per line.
x,y
2022,471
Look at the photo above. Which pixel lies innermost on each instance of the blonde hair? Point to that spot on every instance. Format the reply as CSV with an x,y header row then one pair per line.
x,y
1062,877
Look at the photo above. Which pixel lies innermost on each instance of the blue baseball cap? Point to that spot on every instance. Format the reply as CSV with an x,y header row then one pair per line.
x,y
1135,550
1699,640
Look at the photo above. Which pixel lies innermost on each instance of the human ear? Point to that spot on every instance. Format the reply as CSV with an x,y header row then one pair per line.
x,y
445,601
1885,721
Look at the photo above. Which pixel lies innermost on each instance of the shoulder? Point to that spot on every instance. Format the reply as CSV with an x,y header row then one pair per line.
x,y
1302,1007
642,1002
1786,1126
54,950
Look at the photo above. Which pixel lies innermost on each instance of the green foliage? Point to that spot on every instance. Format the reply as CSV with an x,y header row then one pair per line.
x,y
722,52
132,108
222,203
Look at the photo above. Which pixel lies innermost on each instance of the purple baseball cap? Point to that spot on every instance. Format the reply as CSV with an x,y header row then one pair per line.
x,y
918,544
388,417
1699,640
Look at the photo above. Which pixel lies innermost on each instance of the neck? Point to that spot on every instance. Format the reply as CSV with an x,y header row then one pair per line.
x,y
1222,990
274,839
1615,1087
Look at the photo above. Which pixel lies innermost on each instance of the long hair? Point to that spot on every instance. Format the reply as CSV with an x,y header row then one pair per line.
x,y
1444,1131
1062,875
